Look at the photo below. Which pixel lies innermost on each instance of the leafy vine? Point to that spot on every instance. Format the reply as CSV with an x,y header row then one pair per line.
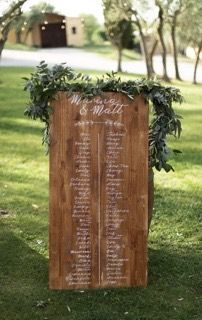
x,y
45,82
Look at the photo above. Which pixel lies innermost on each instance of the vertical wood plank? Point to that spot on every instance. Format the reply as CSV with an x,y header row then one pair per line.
x,y
98,192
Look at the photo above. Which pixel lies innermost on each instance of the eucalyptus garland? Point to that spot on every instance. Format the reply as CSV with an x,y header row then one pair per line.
x,y
45,82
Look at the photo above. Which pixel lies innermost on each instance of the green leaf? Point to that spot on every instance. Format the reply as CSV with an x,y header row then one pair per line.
x,y
45,82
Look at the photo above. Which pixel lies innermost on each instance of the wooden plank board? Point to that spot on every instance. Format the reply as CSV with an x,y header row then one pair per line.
x,y
98,192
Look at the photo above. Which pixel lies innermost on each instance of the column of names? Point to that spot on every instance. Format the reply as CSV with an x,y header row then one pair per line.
x,y
116,209
81,215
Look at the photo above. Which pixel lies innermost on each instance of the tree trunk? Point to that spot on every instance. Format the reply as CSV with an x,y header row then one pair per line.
x,y
18,36
151,54
196,63
161,38
3,39
26,34
148,62
12,13
149,65
2,43
119,68
173,37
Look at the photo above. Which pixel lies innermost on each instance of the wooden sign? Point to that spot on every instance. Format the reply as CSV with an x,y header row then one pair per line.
x,y
98,192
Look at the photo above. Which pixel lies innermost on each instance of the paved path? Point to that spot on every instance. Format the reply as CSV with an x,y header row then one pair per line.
x,y
78,58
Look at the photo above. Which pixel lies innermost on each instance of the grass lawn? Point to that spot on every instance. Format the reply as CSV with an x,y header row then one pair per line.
x,y
19,46
174,260
108,51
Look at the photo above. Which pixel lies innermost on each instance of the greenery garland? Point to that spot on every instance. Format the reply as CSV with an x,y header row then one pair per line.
x,y
45,82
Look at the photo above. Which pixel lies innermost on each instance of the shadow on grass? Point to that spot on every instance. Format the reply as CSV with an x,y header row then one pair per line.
x,y
21,128
172,292
20,265
188,156
23,275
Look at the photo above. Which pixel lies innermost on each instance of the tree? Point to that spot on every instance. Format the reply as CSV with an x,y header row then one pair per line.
x,y
146,28
175,8
134,11
13,11
172,10
90,26
191,30
36,15
160,30
118,25
19,25
148,54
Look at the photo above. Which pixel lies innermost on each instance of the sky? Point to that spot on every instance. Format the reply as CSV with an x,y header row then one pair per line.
x,y
71,8
74,8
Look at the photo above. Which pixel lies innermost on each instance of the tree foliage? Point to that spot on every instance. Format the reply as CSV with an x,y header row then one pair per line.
x,y
134,12
118,25
171,12
191,29
35,15
44,83
11,13
91,26
161,20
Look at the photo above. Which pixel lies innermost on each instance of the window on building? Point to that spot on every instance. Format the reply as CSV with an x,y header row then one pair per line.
x,y
73,30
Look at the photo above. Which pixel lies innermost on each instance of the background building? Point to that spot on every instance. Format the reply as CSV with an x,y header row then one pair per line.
x,y
55,31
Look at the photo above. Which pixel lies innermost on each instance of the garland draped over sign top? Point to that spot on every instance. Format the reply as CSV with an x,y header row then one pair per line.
x,y
45,82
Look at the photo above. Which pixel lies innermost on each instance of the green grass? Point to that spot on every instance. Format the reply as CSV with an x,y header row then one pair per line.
x,y
174,260
108,51
19,46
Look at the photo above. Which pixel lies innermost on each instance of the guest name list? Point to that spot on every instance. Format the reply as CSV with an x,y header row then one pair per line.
x,y
103,220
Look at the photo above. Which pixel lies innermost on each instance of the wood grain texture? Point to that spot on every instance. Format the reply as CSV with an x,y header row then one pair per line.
x,y
98,192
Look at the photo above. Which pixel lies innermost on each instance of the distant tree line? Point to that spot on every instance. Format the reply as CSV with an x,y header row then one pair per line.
x,y
153,22
176,20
